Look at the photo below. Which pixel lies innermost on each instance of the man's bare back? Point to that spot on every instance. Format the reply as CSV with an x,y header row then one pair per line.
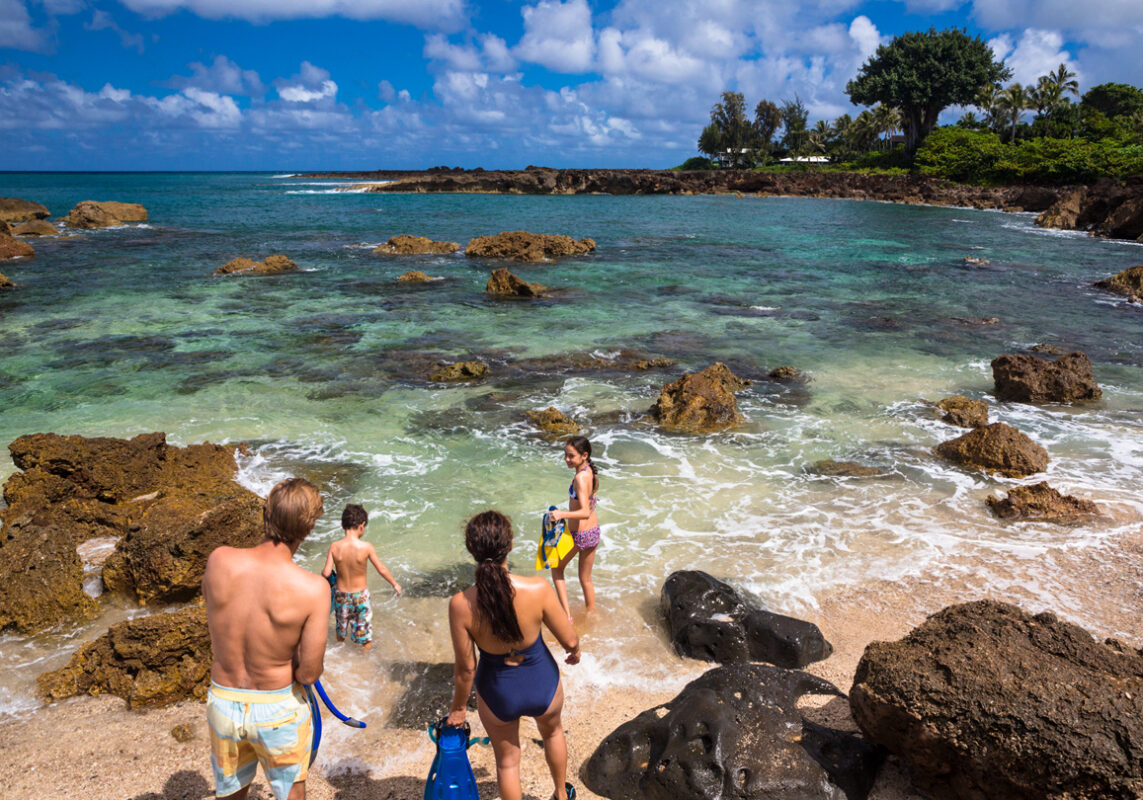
x,y
262,610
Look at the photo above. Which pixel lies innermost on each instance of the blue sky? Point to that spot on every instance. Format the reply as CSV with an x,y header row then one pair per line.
x,y
344,84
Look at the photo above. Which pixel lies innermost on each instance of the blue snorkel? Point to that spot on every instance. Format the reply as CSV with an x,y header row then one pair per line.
x,y
315,715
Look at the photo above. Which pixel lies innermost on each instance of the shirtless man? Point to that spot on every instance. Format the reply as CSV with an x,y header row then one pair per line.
x,y
351,557
268,622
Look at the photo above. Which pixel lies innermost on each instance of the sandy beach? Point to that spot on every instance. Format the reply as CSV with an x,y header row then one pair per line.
x,y
96,748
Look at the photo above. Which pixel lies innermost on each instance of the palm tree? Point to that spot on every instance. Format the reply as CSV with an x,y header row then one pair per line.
x,y
1013,100
819,137
886,120
1045,96
986,101
1064,80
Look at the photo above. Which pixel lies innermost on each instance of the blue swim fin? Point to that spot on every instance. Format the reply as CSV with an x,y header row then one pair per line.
x,y
451,776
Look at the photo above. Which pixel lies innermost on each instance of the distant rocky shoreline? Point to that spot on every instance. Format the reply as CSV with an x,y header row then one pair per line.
x,y
1106,208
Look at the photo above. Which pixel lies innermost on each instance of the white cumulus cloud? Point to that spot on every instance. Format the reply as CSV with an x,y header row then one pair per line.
x,y
430,14
16,27
558,36
222,76
1036,53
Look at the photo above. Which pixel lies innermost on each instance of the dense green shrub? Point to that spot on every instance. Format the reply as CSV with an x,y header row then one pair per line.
x,y
960,155
696,162
978,157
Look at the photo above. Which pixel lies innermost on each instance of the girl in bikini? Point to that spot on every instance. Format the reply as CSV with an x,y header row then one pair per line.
x,y
583,523
501,617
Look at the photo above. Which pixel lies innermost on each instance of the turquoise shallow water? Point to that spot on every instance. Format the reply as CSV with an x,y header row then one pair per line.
x,y
124,331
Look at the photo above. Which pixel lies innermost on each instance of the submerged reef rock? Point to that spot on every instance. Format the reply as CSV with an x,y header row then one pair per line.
x,y
11,247
460,371
843,469
964,412
552,421
734,733
709,620
414,276
524,246
701,402
406,245
1042,503
1026,378
39,227
996,448
153,661
985,701
167,506
5,282
104,214
624,360
273,265
13,209
1128,283
504,284
788,374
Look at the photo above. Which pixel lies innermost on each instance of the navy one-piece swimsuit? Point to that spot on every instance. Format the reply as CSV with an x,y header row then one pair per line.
x,y
523,690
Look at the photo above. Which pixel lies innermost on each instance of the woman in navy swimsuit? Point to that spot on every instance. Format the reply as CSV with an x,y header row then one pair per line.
x,y
583,522
501,617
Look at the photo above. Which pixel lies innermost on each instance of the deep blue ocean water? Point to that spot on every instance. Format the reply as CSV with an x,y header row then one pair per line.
x,y
122,331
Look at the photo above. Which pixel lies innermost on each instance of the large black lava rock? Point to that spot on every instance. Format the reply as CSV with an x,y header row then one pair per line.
x,y
711,621
734,734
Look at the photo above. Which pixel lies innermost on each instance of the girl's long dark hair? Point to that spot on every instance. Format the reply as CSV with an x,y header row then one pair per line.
x,y
488,536
583,447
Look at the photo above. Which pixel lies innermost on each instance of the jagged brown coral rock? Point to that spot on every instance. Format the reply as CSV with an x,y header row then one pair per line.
x,y
503,283
460,371
273,265
167,507
41,577
414,276
406,245
964,412
11,247
701,402
104,214
1128,283
844,469
5,282
525,246
1042,503
1026,378
788,374
552,421
39,227
996,448
13,209
986,701
153,661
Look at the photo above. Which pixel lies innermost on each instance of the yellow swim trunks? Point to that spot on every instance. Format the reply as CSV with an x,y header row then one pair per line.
x,y
249,727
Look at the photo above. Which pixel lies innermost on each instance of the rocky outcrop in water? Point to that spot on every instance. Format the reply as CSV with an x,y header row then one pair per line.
x,y
828,468
504,284
39,227
11,247
153,661
709,620
985,701
13,209
553,422
406,245
5,282
166,506
414,276
1105,208
273,265
996,448
1025,378
104,214
525,246
788,374
1128,283
964,412
460,371
735,733
1042,503
702,402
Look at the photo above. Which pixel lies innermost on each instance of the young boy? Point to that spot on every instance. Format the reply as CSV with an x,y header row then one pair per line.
x,y
351,557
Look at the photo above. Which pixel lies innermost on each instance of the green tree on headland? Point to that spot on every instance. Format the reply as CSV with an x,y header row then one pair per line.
x,y
730,135
923,73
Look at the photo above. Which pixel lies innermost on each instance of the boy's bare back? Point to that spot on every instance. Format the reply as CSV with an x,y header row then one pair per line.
x,y
351,560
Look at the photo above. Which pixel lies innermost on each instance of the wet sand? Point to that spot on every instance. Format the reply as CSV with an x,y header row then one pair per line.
x,y
96,748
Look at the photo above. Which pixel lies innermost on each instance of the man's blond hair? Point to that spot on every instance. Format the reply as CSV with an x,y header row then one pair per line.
x,y
291,510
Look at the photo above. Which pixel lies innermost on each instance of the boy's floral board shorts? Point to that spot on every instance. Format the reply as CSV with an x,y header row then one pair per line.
x,y
354,614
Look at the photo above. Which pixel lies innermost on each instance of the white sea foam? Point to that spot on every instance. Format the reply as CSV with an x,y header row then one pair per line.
x,y
288,175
